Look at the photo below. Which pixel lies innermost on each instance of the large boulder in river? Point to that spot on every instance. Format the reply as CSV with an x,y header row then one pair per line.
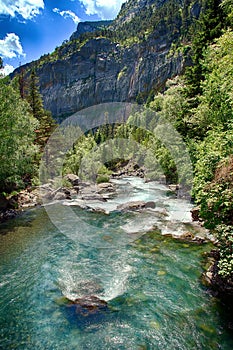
x,y
106,187
88,305
136,205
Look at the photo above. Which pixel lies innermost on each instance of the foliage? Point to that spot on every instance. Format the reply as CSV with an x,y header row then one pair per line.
x,y
174,106
227,6
224,234
76,157
208,27
17,133
33,96
216,106
102,178
215,148
29,90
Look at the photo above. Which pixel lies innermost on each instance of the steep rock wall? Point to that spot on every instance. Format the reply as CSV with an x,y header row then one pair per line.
x,y
102,71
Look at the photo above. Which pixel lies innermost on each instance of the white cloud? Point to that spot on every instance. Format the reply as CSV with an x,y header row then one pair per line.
x,y
26,8
68,14
6,70
105,9
11,46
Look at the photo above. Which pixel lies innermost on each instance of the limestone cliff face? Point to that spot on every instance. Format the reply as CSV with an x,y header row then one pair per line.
x,y
132,8
89,27
103,71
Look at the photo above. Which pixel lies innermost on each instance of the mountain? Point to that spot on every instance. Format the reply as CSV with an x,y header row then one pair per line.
x,y
126,60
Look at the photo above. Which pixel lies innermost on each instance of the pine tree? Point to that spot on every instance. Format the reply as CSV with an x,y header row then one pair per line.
x,y
23,84
208,27
47,123
34,97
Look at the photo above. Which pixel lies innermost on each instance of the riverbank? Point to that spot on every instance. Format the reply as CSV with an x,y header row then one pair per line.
x,y
12,206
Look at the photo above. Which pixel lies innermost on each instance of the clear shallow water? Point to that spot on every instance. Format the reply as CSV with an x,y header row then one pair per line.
x,y
150,281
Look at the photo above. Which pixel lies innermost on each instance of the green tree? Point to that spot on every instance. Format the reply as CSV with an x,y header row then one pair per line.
x,y
216,106
23,84
17,133
227,6
33,96
208,27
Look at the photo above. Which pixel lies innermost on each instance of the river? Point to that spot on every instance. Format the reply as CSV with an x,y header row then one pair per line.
x,y
150,280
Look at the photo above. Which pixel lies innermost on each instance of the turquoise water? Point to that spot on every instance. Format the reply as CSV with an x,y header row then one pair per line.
x,y
150,281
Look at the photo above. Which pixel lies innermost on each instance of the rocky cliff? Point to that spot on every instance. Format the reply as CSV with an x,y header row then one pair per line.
x,y
89,27
103,71
107,68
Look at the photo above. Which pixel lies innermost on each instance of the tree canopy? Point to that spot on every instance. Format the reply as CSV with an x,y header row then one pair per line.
x,y
17,134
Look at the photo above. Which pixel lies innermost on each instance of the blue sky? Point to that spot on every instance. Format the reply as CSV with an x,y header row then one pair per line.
x,y
31,28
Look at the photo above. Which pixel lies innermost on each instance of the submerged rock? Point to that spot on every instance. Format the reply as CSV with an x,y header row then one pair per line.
x,y
88,305
8,214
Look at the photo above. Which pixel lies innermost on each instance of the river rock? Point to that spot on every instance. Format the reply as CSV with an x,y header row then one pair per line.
x,y
195,212
135,205
174,187
89,305
93,197
106,187
207,277
8,214
46,191
76,188
85,184
59,196
189,236
97,210
199,240
150,204
88,189
29,198
73,179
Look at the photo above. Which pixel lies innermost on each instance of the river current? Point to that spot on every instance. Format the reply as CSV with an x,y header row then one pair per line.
x,y
150,280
